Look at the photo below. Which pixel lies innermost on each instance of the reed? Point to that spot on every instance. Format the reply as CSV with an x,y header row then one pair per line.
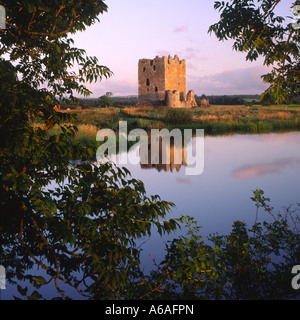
x,y
85,134
214,120
97,117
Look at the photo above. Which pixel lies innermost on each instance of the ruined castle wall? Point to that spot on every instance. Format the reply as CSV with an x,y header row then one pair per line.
x,y
151,74
163,81
173,99
176,99
190,99
175,73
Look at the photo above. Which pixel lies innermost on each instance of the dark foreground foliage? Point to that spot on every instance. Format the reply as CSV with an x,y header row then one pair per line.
x,y
75,227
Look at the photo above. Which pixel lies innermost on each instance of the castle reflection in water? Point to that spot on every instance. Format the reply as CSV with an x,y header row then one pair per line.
x,y
176,161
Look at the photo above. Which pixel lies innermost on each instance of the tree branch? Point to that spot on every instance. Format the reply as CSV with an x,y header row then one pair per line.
x,y
31,21
46,34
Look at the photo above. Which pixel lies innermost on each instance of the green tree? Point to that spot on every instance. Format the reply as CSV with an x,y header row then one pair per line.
x,y
258,31
62,217
106,100
80,222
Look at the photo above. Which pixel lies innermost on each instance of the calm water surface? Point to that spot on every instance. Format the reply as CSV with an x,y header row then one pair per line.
x,y
234,165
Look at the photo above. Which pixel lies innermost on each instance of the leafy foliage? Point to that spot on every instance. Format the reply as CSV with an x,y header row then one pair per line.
x,y
249,263
92,253
87,224
80,223
63,217
37,41
258,31
106,100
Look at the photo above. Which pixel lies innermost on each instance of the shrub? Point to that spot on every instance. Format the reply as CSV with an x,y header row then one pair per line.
x,y
250,263
178,116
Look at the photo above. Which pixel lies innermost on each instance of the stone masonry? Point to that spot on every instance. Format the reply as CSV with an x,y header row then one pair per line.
x,y
162,81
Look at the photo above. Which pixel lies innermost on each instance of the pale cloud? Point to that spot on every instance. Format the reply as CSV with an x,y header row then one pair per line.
x,y
263,169
190,54
184,181
119,87
183,28
163,53
241,81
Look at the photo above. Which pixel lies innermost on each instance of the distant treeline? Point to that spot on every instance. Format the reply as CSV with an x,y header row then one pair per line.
x,y
217,100
229,99
120,102
125,101
117,102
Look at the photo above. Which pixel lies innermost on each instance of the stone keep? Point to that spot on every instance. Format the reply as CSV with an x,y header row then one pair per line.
x,y
162,81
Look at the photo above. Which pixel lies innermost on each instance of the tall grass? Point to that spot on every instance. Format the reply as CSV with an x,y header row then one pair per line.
x,y
85,134
98,117
214,120
178,116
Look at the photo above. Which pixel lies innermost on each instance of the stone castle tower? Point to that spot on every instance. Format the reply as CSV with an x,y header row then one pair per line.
x,y
163,81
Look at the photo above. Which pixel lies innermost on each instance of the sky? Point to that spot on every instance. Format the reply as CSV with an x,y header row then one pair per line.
x,y
137,29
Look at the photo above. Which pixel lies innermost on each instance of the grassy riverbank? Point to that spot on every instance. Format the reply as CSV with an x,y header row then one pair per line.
x,y
224,119
214,120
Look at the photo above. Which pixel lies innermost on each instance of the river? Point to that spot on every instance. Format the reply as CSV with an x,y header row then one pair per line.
x,y
233,166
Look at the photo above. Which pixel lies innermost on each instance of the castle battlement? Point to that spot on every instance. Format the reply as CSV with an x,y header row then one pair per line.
x,y
163,59
175,60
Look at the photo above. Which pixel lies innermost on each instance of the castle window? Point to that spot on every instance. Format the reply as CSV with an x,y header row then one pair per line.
x,y
144,69
156,89
154,68
147,82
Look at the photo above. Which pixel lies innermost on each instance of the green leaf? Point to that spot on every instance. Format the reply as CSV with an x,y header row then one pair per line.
x,y
22,291
39,281
35,296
